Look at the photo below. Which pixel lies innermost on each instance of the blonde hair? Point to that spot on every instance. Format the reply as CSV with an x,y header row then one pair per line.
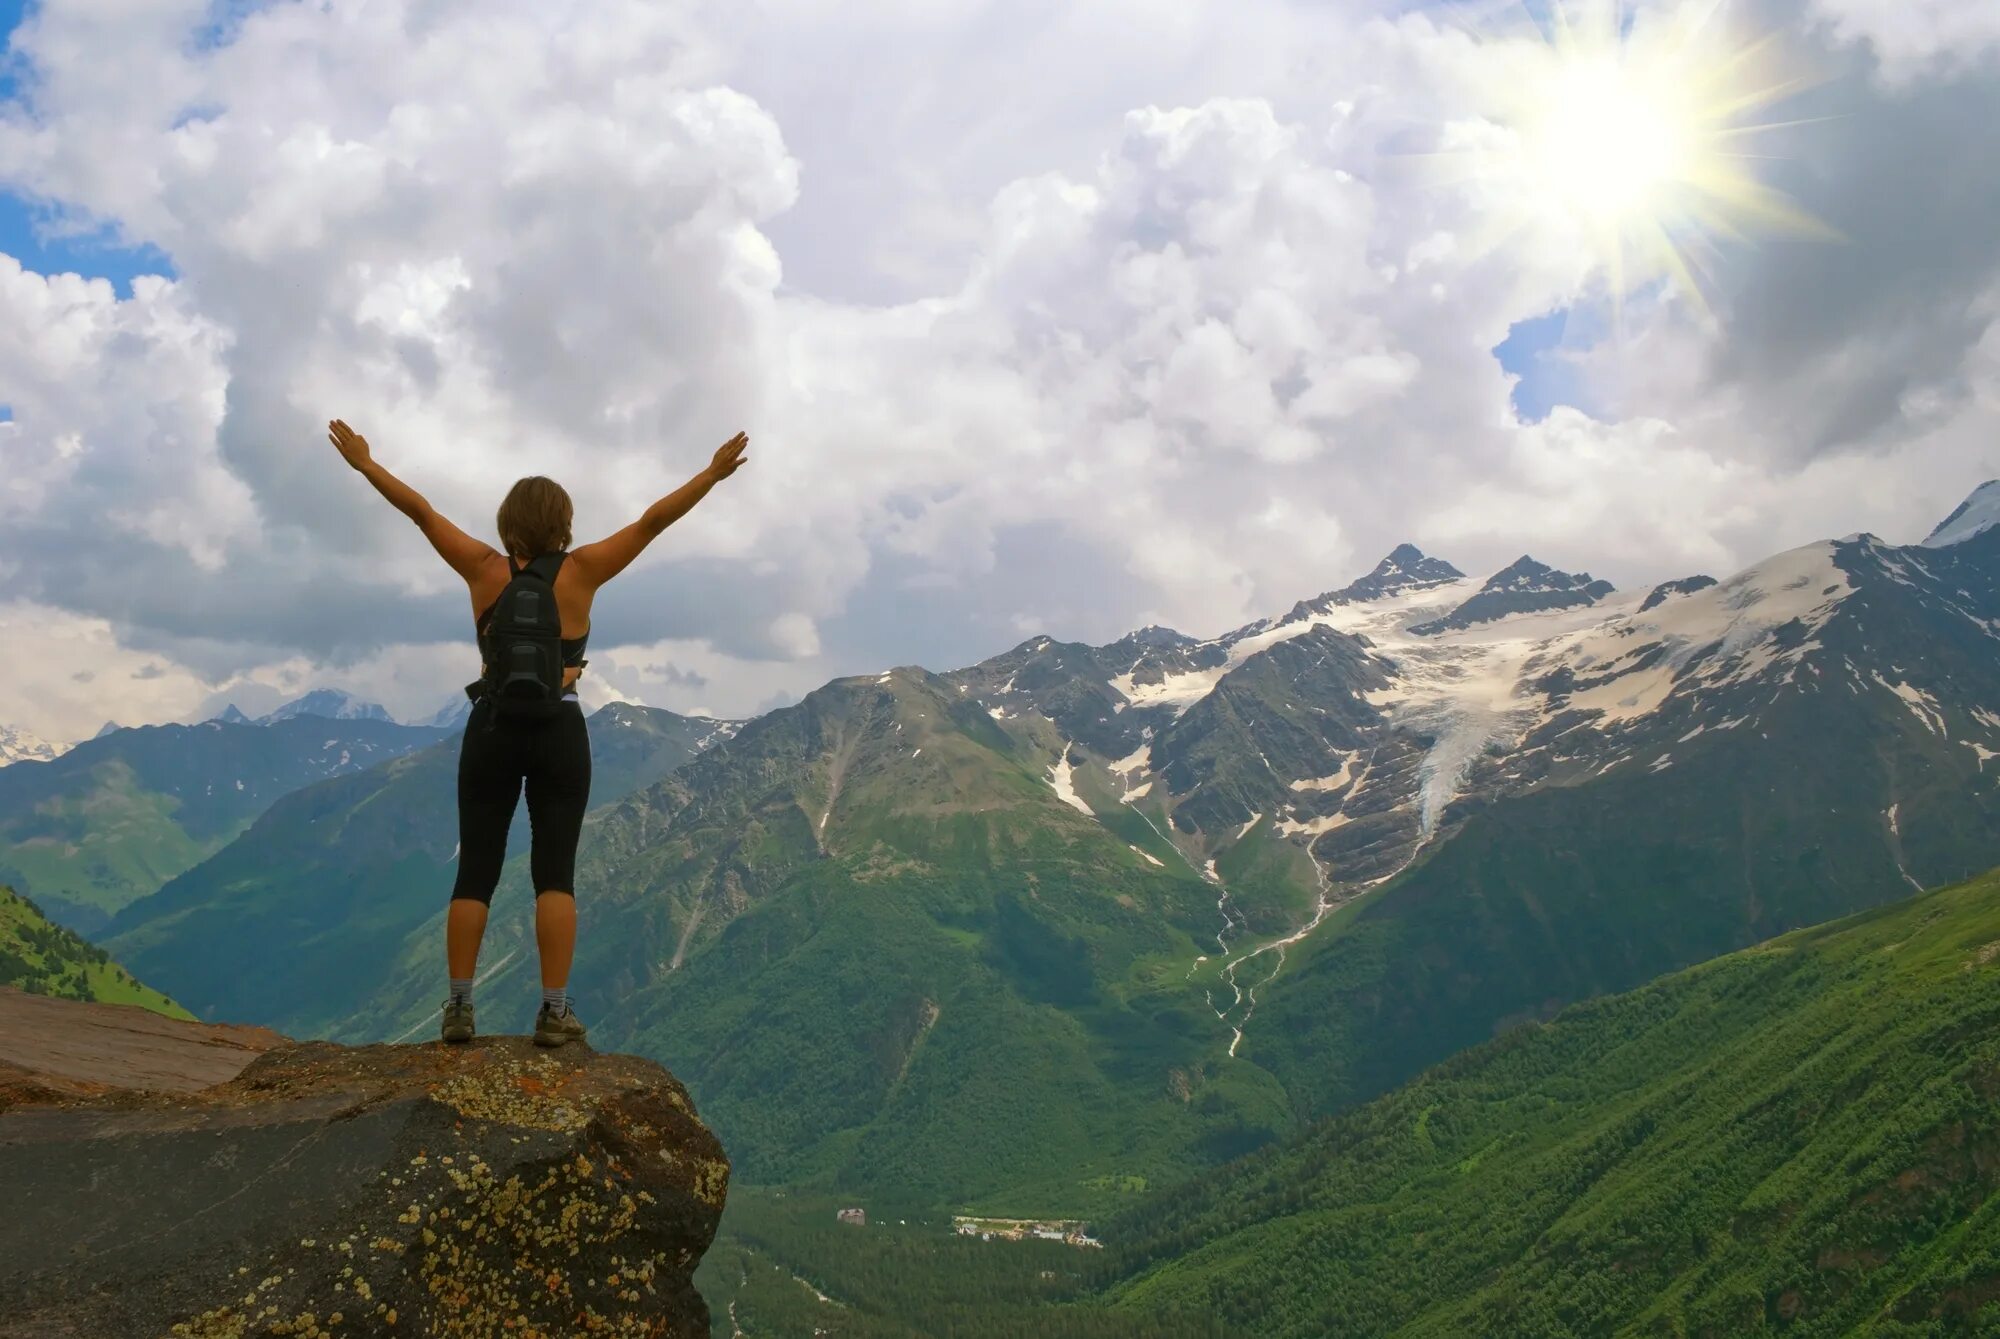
x,y
534,517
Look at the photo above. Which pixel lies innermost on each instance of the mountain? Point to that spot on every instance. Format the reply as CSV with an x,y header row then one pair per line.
x,y
1801,1136
1406,570
1979,513
45,959
106,729
452,715
112,819
1527,587
231,715
17,745
855,926
296,920
1666,590
330,703
1077,918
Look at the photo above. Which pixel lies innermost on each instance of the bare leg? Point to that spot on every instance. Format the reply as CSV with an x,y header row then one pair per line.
x,y
464,927
555,936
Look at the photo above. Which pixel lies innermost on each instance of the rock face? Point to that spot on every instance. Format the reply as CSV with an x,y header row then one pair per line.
x,y
328,1190
69,1048
1666,590
1527,587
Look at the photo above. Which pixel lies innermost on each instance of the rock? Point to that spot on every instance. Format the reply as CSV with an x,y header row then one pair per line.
x,y
70,1046
488,1189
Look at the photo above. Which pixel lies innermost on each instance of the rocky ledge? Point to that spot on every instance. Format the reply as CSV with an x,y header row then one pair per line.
x,y
484,1190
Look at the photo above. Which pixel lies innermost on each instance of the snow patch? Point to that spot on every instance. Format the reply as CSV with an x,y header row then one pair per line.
x,y
1921,704
1060,780
1979,512
1179,691
1312,827
1332,780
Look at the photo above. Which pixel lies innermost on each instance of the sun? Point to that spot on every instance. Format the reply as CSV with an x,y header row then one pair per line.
x,y
1643,130
1610,143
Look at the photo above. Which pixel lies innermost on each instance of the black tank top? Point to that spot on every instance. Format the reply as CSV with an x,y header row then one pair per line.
x,y
572,647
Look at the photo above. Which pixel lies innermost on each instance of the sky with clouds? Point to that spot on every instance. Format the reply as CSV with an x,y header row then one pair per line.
x,y
1051,318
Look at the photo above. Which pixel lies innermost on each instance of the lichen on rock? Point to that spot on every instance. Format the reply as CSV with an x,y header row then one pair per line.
x,y
398,1190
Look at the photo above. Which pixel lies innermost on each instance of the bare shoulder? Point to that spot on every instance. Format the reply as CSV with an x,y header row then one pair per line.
x,y
488,580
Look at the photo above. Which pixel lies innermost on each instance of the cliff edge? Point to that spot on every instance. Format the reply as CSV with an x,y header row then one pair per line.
x,y
326,1190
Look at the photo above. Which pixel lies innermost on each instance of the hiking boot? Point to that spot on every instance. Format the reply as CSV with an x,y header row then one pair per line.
x,y
457,1024
556,1029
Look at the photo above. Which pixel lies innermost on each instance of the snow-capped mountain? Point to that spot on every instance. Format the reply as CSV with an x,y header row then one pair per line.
x,y
1356,722
449,716
330,703
1977,514
17,745
232,715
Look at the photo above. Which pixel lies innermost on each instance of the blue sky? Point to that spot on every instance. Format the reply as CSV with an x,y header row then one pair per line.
x,y
32,232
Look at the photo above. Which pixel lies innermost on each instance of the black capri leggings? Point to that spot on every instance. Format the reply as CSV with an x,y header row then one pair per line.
x,y
498,754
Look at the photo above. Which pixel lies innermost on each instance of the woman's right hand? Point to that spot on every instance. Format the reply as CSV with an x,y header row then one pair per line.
x,y
728,456
353,447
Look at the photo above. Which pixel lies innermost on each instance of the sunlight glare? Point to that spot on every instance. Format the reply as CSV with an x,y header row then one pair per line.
x,y
1637,134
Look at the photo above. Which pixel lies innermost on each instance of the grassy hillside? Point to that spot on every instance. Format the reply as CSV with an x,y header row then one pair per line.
x,y
114,818
1800,1137
45,959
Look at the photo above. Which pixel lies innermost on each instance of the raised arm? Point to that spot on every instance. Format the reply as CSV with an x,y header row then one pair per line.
x,y
465,555
611,555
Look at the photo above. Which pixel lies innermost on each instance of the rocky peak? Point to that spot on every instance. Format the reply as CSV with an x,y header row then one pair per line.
x,y
1523,587
1406,568
1155,635
482,1189
1666,590
330,703
1978,513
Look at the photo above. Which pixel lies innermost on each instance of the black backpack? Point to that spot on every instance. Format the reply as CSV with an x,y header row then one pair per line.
x,y
522,644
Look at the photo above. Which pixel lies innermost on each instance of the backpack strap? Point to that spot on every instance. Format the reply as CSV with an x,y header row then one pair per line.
x,y
546,566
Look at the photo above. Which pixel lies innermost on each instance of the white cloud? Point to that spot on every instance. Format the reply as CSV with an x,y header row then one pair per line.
x,y
1193,323
1914,39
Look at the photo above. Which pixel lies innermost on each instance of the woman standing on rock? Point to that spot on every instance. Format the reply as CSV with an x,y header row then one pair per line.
x,y
526,724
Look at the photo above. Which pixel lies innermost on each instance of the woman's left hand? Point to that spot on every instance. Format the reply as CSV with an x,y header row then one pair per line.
x,y
353,447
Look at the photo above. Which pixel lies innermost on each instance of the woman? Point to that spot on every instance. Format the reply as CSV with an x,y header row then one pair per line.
x,y
499,752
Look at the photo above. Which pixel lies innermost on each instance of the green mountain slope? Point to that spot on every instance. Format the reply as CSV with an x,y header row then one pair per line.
x,y
115,817
294,923
1800,1137
1565,892
45,959
883,950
